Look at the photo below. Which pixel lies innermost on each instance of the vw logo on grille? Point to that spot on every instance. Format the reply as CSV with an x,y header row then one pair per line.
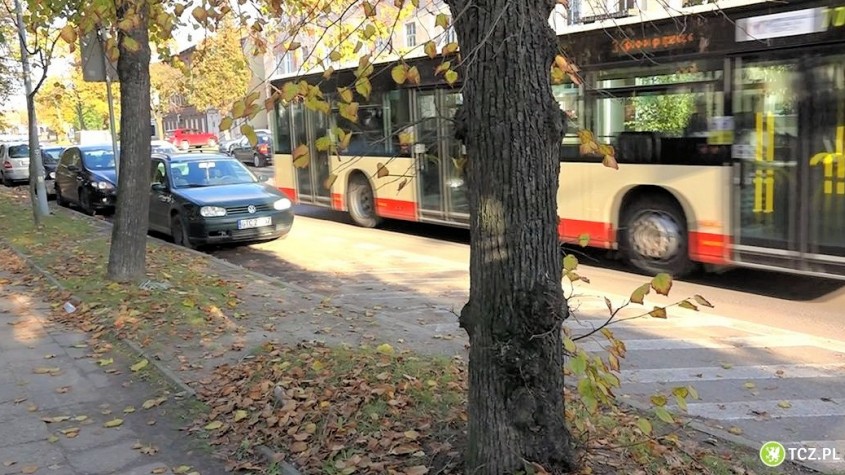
x,y
251,209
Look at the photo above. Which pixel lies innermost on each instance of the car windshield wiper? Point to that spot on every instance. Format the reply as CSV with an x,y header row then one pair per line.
x,y
196,185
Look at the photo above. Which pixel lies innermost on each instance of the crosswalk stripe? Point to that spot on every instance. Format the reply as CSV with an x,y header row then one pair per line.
x,y
732,411
718,373
756,341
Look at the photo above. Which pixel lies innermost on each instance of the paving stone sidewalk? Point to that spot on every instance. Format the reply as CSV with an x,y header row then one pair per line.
x,y
48,372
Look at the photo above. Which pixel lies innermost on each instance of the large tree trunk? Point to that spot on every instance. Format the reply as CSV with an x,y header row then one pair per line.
x,y
512,128
127,257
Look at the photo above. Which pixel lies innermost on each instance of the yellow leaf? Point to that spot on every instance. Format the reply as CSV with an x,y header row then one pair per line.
x,y
238,108
610,162
52,439
430,49
412,434
128,409
68,34
335,55
182,469
450,48
735,430
345,94
43,370
750,385
442,20
385,349
199,14
644,425
105,362
363,86
29,469
318,366
399,73
139,365
444,66
226,124
784,404
213,425
113,423
451,77
240,415
413,75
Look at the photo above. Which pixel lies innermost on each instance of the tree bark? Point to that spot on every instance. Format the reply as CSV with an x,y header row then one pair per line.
x,y
127,256
512,128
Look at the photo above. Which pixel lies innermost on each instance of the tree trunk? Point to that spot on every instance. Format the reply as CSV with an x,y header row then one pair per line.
x,y
512,128
37,193
127,257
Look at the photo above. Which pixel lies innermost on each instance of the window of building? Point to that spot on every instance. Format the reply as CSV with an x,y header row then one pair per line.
x,y
410,34
285,63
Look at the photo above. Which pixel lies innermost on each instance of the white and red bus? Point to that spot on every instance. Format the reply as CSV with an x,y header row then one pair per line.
x,y
728,129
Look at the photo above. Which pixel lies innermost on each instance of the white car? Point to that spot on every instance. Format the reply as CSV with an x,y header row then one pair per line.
x,y
163,146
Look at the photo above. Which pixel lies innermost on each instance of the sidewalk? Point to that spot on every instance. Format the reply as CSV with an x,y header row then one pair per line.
x,y
60,388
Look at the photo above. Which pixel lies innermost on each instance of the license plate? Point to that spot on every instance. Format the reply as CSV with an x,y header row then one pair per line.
x,y
254,222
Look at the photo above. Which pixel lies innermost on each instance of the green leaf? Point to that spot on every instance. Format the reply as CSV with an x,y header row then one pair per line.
x,y
588,395
664,415
226,124
658,400
345,94
658,312
702,301
399,73
131,44
363,86
113,423
682,403
213,425
442,20
451,77
662,283
584,240
578,364
644,425
335,55
323,143
680,391
570,262
692,392
240,415
301,156
249,131
639,294
688,305
139,365
569,345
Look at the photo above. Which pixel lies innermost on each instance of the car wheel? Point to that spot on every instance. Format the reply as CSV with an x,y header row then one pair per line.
x,y
184,146
258,161
60,200
85,201
6,181
362,205
179,233
655,237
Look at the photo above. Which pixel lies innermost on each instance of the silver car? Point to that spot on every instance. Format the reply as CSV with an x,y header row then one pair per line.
x,y
15,160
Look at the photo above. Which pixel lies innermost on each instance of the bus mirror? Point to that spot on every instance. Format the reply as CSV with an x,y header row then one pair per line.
x,y
419,148
463,149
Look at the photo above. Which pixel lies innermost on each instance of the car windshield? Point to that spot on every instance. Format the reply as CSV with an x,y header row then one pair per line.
x,y
52,155
98,159
211,172
19,151
163,148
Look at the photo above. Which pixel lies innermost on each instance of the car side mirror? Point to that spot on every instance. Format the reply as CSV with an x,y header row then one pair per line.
x,y
158,187
263,178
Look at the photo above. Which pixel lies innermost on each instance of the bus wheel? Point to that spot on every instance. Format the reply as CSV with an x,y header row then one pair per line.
x,y
655,237
361,203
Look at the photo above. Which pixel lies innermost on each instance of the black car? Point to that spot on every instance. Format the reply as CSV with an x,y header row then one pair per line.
x,y
210,198
259,155
50,157
86,177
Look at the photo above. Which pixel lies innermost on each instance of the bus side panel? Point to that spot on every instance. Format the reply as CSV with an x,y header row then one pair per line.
x,y
591,196
283,175
391,201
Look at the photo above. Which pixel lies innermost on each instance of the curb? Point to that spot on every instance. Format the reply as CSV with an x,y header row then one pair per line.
x,y
159,366
719,433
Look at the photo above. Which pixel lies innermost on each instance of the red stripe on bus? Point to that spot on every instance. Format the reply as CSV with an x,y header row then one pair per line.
x,y
337,201
601,234
708,248
396,209
290,192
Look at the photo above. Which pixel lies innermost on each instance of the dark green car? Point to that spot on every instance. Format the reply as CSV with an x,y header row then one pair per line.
x,y
202,199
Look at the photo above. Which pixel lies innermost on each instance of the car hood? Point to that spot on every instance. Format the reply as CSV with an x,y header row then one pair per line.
x,y
105,175
231,195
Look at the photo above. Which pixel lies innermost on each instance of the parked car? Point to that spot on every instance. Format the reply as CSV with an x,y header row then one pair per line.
x,y
86,177
209,198
226,146
184,139
15,159
50,156
163,146
260,154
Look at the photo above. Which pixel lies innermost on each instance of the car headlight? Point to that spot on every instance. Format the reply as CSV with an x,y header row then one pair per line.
x,y
51,176
212,211
103,185
282,204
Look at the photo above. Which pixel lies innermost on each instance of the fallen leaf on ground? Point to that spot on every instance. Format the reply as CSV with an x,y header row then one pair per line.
x,y
158,470
139,365
213,425
9,463
28,469
105,362
735,430
182,469
50,371
113,423
128,410
785,404
151,403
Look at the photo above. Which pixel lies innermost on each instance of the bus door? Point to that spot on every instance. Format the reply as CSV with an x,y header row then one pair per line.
x,y
766,152
440,158
308,126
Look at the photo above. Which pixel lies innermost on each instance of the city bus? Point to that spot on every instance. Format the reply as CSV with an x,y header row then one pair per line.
x,y
728,127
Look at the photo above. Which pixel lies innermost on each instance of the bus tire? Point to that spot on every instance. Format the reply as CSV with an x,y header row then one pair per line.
x,y
655,238
361,203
